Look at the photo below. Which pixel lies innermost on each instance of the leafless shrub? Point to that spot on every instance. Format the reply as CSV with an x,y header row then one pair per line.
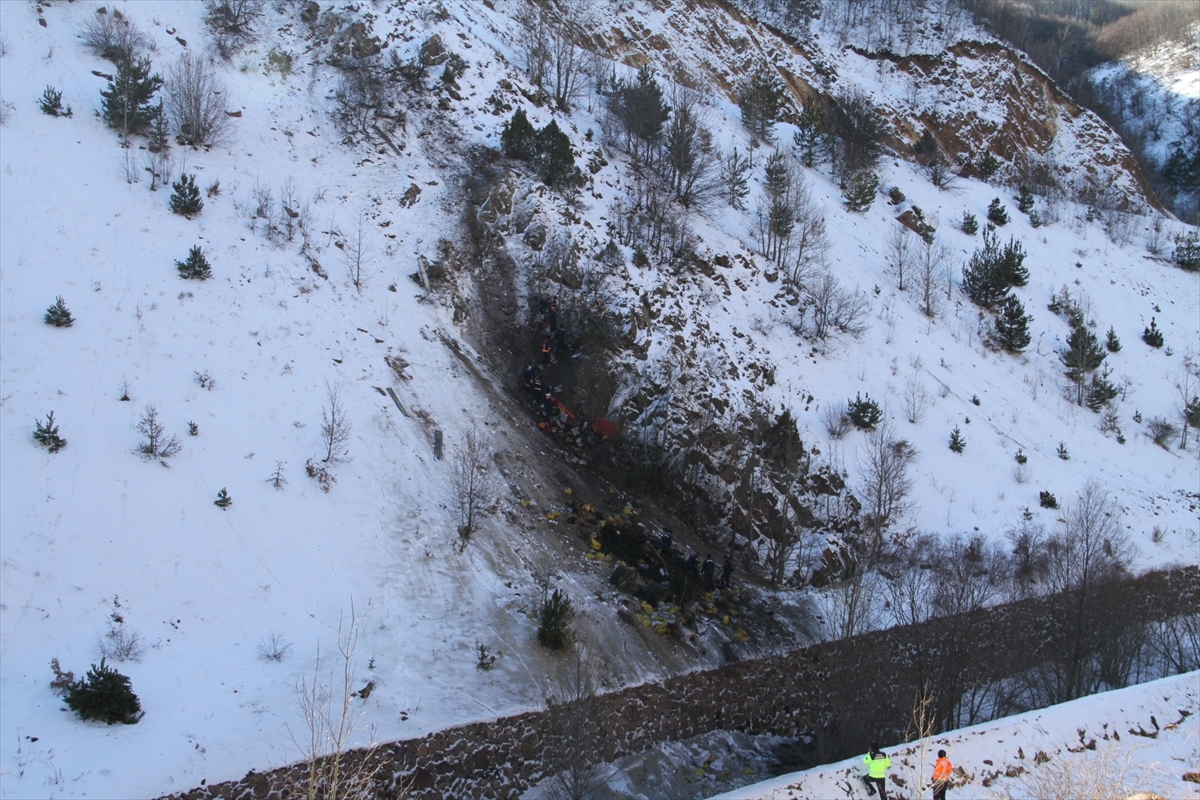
x,y
1113,771
273,647
113,37
577,733
833,308
898,252
1020,474
1161,430
320,474
204,379
232,23
121,644
916,399
886,481
194,102
835,420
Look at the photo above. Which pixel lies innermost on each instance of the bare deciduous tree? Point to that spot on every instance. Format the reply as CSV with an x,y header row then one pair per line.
x,y
330,718
833,308
886,482
357,253
233,23
933,260
898,253
472,481
916,399
576,733
194,102
335,426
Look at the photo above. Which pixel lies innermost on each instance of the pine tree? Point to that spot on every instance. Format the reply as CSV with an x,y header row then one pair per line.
x,y
997,213
926,149
1012,269
195,266
59,315
734,170
1111,342
185,199
104,694
777,178
555,160
1012,324
969,224
957,442
760,100
554,627
1024,200
810,133
988,166
983,276
159,137
1152,335
47,434
51,103
1100,390
1082,356
223,500
519,138
860,191
1187,251
126,103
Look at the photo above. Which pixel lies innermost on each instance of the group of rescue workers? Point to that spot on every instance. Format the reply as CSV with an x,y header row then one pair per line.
x,y
877,763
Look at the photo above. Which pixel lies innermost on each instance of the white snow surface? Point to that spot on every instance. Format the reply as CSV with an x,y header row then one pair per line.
x,y
1151,731
95,531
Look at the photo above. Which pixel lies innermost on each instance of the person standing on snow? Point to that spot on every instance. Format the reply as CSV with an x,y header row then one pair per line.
x,y
941,776
877,763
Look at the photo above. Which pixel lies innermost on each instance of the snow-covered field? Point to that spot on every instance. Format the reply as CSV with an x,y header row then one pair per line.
x,y
94,534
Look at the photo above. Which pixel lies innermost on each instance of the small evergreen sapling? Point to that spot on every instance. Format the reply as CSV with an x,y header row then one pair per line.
x,y
59,315
957,442
988,166
223,500
864,413
969,224
860,191
185,199
1012,324
51,103
1111,342
126,103
554,629
1047,500
1187,251
1063,453
1152,335
195,267
1021,457
1024,200
997,213
46,434
104,694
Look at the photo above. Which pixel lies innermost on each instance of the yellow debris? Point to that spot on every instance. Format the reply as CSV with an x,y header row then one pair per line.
x,y
649,609
566,490
741,635
553,515
725,619
663,630
595,543
526,503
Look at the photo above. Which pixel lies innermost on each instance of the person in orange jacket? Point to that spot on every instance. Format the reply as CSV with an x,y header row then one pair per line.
x,y
941,776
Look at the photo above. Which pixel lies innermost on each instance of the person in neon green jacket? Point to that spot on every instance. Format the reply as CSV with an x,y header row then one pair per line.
x,y
877,763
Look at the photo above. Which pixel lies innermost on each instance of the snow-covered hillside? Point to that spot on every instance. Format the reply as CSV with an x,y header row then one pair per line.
x,y
99,546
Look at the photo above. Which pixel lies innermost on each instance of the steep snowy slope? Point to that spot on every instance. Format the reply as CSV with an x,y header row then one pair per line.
x,y
100,546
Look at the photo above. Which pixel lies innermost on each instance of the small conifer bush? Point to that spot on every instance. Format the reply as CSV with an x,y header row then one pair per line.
x,y
1021,457
1151,335
988,166
185,199
46,434
51,103
554,630
1063,453
1112,342
1024,200
1187,251
969,224
223,500
195,267
863,412
957,442
860,191
59,315
104,694
1047,499
997,213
